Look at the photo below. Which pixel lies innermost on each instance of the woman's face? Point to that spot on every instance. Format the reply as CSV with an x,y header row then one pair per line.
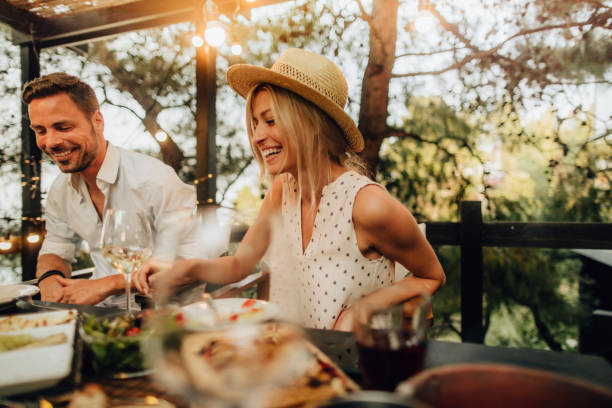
x,y
278,154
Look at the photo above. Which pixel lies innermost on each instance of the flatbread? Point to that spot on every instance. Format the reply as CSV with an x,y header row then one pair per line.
x,y
21,341
18,322
229,365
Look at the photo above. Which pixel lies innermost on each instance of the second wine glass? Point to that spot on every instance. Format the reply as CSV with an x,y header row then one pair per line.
x,y
126,242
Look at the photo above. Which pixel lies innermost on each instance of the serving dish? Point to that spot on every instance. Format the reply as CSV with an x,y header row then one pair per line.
x,y
470,385
200,315
113,343
33,368
10,294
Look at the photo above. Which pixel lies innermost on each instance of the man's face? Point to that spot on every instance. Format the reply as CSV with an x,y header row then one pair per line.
x,y
64,132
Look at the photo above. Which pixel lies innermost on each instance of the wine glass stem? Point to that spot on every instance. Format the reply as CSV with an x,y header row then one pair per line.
x,y
128,291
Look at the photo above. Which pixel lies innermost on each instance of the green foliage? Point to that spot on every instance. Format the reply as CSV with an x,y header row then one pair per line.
x,y
436,165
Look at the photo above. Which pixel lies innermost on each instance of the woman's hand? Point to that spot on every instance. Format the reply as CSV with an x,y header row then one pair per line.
x,y
345,321
156,275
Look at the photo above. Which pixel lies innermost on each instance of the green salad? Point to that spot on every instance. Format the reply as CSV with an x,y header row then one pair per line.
x,y
114,343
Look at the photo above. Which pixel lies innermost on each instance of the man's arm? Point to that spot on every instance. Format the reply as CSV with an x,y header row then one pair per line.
x,y
50,288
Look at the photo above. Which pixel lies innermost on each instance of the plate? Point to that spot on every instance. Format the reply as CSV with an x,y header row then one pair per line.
x,y
9,294
29,369
231,310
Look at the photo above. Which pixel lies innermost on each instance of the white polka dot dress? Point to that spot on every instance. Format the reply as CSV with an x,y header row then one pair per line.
x,y
313,287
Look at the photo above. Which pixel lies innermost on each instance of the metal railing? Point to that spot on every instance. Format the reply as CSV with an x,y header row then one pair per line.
x,y
471,234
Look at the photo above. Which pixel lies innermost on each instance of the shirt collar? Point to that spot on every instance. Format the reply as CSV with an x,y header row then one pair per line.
x,y
108,170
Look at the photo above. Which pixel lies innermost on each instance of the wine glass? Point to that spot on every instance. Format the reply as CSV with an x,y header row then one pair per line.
x,y
229,364
391,340
126,242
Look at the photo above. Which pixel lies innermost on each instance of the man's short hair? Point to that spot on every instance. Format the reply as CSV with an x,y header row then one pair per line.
x,y
59,82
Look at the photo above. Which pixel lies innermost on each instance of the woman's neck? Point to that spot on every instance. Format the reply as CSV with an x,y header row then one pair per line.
x,y
325,177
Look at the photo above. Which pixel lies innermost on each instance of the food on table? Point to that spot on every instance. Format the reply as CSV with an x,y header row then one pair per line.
x,y
17,322
249,312
91,396
221,362
20,341
114,342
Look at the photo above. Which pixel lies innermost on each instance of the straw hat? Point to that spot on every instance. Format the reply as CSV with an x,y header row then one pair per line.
x,y
312,76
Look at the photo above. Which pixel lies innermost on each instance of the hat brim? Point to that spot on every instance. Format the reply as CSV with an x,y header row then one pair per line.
x,y
243,77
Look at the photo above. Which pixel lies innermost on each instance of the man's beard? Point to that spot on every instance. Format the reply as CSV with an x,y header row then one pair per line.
x,y
86,159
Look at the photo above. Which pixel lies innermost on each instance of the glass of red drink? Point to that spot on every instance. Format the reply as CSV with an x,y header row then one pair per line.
x,y
391,341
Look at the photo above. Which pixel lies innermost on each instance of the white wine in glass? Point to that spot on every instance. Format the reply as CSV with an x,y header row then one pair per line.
x,y
126,242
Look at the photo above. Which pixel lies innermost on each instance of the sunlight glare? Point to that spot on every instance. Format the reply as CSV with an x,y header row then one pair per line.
x,y
214,34
424,21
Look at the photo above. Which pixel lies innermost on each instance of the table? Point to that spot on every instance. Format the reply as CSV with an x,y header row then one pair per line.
x,y
340,347
595,369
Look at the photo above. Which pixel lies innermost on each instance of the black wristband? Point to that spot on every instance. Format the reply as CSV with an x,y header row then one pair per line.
x,y
49,273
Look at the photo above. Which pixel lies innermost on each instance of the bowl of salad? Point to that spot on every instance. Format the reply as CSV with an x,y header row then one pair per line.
x,y
113,343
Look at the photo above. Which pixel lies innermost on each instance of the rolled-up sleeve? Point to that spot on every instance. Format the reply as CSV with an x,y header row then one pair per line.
x,y
174,222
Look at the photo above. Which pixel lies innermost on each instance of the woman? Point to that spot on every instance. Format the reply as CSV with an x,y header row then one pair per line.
x,y
331,234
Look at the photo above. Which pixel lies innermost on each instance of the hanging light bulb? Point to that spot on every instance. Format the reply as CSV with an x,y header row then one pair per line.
x,y
214,33
161,136
236,48
5,245
197,41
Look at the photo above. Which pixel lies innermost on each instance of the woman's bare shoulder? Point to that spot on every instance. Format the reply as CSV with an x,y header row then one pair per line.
x,y
374,207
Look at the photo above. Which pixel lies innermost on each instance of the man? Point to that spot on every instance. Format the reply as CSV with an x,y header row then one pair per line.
x,y
69,128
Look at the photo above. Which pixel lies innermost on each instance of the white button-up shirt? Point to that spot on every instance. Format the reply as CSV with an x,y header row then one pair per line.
x,y
128,180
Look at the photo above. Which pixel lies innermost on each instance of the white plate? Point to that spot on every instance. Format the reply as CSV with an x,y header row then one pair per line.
x,y
199,315
9,294
25,370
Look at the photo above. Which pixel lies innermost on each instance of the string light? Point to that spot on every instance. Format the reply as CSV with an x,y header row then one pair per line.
x,y
33,238
5,245
197,41
236,48
161,136
201,179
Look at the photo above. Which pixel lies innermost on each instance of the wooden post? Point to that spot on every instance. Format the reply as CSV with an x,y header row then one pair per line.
x,y
30,169
470,238
206,129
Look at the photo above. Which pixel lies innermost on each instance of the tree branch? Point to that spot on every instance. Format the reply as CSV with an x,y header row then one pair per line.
x,y
236,176
427,54
368,19
522,33
543,330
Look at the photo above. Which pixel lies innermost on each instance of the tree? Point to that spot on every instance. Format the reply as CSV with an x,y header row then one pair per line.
x,y
496,50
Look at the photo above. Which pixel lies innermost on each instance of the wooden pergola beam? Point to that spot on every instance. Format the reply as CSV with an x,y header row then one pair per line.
x,y
104,22
99,23
19,19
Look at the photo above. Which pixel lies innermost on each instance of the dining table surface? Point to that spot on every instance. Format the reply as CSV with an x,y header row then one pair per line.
x,y
339,346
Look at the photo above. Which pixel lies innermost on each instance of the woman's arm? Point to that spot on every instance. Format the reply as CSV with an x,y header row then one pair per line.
x,y
225,269
383,225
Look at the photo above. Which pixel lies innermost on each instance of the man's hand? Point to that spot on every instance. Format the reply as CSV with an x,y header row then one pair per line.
x,y
89,291
51,290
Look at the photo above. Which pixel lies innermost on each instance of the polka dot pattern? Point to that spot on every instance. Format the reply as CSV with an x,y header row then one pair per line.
x,y
331,274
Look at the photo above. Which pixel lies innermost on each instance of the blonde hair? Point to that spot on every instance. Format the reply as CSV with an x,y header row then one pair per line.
x,y
313,133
